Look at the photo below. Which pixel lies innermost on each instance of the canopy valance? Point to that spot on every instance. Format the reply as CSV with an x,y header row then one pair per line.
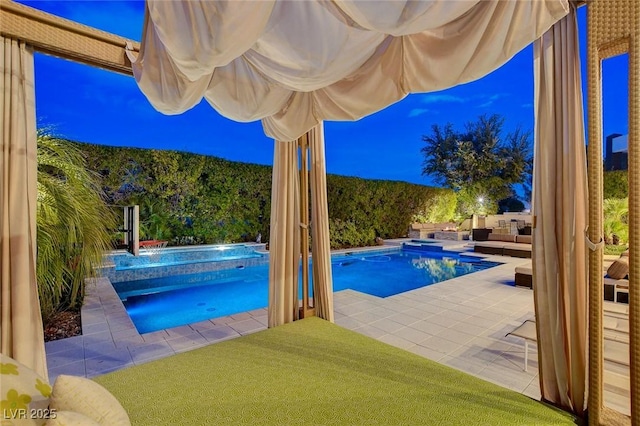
x,y
293,64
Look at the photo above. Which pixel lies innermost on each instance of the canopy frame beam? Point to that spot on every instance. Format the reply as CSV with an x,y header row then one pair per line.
x,y
306,310
604,41
66,39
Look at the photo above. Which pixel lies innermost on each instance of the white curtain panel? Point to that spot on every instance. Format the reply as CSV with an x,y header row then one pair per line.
x,y
293,64
320,242
21,334
560,208
284,240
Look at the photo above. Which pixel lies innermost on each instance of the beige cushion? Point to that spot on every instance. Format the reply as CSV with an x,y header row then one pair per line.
x,y
502,237
87,397
492,244
70,418
500,231
625,253
523,239
622,285
524,270
618,269
24,394
518,246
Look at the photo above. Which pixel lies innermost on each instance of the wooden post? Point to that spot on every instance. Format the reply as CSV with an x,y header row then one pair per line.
x,y
303,142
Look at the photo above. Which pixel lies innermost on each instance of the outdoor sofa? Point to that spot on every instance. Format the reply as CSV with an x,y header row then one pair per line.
x,y
524,275
505,245
427,230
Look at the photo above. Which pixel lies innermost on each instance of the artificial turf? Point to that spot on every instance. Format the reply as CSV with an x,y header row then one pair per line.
x,y
317,373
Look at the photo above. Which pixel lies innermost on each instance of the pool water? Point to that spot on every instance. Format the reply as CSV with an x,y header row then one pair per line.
x,y
160,303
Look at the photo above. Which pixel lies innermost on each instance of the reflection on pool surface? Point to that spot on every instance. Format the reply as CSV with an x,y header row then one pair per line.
x,y
160,303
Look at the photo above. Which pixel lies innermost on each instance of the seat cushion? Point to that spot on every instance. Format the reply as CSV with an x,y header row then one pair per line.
x,y
502,237
518,246
492,244
25,394
524,269
619,269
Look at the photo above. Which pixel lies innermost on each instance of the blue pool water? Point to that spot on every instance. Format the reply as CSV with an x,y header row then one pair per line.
x,y
159,303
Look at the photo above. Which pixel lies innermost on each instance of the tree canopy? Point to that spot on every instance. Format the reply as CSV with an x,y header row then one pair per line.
x,y
478,162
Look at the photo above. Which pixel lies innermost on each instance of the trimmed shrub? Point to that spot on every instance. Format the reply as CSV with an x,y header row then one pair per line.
x,y
616,184
345,234
193,199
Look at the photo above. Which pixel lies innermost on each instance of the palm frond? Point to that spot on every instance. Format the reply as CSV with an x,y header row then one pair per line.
x,y
73,224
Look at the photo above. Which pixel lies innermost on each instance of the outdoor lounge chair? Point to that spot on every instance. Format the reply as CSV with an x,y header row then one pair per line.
x,y
527,331
505,245
524,276
616,336
615,290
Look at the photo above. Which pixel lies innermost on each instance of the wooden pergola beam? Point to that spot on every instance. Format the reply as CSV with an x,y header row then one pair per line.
x,y
63,38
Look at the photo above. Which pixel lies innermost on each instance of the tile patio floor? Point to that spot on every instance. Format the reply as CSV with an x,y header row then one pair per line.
x,y
461,323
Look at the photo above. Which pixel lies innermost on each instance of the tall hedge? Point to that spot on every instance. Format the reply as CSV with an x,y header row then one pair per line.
x,y
378,208
616,184
189,199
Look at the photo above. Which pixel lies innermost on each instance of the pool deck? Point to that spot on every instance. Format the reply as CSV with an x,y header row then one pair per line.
x,y
462,323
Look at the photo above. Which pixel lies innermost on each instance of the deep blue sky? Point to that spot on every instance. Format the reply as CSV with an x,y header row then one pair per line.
x,y
91,105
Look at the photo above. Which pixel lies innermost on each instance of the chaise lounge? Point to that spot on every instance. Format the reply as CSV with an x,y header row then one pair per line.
x,y
615,289
505,245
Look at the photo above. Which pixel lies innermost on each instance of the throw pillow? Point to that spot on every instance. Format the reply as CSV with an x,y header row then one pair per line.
x,y
24,394
619,269
87,397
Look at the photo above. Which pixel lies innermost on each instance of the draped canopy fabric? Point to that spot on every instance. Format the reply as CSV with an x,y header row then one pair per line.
x,y
21,334
293,64
284,251
560,197
296,63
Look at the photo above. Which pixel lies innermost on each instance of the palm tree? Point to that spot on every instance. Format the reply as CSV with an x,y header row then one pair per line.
x,y
616,223
74,224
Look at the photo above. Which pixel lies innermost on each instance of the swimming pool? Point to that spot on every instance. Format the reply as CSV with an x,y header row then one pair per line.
x,y
160,303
